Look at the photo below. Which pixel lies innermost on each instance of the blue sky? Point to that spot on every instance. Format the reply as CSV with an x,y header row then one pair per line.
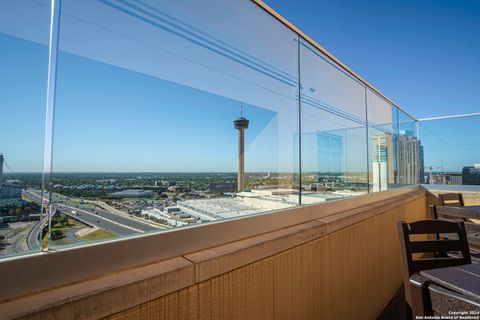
x,y
423,54
134,96
132,122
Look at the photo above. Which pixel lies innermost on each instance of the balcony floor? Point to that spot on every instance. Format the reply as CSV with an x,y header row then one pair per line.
x,y
395,310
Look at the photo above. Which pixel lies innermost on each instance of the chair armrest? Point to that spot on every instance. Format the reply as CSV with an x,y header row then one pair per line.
x,y
420,296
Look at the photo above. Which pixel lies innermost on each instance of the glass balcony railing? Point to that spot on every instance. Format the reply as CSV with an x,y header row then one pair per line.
x,y
169,114
24,38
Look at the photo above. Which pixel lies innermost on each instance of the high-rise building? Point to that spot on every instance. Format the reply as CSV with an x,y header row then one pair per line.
x,y
1,171
422,163
329,153
471,175
382,161
322,152
408,158
241,124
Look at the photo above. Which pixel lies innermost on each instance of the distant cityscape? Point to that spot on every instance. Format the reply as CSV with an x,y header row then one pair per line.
x,y
95,206
470,175
83,207
401,162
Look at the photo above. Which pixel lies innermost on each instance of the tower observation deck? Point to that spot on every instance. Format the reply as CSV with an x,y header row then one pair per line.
x,y
241,124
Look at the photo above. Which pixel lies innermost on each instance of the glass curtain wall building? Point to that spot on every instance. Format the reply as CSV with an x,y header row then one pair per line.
x,y
142,135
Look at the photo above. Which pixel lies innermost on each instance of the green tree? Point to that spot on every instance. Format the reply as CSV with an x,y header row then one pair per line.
x,y
64,221
56,234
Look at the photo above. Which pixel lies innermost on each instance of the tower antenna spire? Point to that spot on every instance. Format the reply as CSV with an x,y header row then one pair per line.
x,y
241,108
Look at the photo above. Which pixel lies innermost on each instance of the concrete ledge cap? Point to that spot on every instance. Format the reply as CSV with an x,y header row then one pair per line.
x,y
347,218
92,297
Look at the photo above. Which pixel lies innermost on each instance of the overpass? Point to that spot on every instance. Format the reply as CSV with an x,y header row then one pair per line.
x,y
118,224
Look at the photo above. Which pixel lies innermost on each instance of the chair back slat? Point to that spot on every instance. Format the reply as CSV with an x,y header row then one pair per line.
x,y
432,227
435,246
451,199
435,263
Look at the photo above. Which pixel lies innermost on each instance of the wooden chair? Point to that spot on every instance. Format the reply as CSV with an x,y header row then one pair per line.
x,y
430,299
451,199
448,213
435,247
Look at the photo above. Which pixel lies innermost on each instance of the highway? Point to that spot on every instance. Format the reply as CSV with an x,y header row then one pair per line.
x,y
110,222
118,224
33,237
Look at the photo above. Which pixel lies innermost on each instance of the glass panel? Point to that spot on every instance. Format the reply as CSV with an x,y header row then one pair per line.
x,y
409,151
169,115
147,96
334,141
382,124
24,35
451,150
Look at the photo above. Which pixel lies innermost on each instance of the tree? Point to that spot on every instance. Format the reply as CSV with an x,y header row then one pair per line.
x,y
64,221
56,234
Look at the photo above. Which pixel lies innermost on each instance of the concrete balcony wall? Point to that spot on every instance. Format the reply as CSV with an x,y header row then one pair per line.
x,y
339,266
352,271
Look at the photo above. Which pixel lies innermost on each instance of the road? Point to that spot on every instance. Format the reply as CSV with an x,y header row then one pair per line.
x,y
33,237
104,220
121,225
70,235
16,237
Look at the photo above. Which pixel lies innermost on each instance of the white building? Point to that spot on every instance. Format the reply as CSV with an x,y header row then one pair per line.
x,y
162,216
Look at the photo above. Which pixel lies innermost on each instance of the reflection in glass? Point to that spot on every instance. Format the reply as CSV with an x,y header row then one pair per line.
x,y
409,151
168,115
146,98
382,122
333,120
23,72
